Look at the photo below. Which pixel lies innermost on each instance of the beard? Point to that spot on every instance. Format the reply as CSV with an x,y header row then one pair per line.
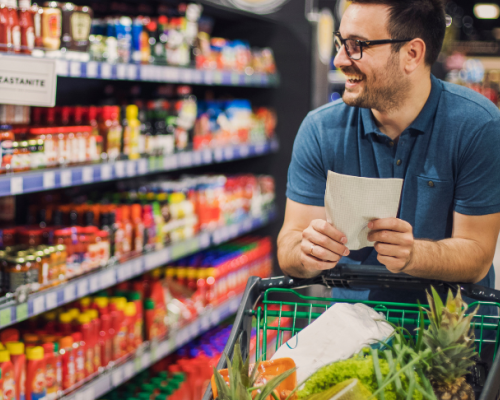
x,y
385,91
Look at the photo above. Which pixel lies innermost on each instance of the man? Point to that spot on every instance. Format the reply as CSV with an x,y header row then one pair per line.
x,y
398,121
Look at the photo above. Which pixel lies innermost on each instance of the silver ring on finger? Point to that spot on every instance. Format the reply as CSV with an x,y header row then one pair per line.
x,y
312,248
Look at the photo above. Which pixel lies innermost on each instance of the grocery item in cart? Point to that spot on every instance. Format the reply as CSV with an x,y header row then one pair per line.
x,y
340,332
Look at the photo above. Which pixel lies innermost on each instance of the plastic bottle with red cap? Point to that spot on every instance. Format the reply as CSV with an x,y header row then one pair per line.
x,y
8,378
85,329
18,359
79,352
50,370
67,361
35,374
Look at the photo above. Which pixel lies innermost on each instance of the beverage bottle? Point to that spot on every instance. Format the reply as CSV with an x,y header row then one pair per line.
x,y
14,24
119,323
106,223
27,26
8,378
138,229
106,336
67,361
132,132
5,28
18,359
136,297
127,230
87,343
79,353
95,326
120,247
130,313
150,323
35,373
50,371
111,131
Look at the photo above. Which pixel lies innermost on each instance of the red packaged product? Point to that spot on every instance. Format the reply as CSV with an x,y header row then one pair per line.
x,y
79,353
87,343
18,359
51,361
8,379
67,361
35,374
106,335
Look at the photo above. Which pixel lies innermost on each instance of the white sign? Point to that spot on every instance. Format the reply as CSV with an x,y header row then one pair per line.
x,y
27,81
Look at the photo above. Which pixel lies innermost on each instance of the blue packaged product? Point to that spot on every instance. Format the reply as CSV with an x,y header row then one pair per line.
x,y
123,27
137,28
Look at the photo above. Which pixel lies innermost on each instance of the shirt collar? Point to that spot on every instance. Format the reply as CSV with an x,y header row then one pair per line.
x,y
424,120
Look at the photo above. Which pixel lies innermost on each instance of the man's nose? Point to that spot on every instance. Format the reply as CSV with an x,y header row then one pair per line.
x,y
342,59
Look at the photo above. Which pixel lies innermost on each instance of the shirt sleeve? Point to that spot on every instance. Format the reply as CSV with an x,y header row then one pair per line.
x,y
306,173
477,189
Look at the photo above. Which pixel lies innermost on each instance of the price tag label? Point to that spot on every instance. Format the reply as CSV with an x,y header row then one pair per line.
x,y
121,71
197,76
94,284
137,363
185,159
39,305
228,153
171,74
143,166
216,237
178,251
120,169
21,312
233,306
186,76
16,185
51,300
137,267
247,225
62,67
217,77
106,172
170,162
209,77
218,154
117,377
233,231
235,78
124,272
128,371
207,156
89,394
205,323
92,69
87,174
75,69
193,330
69,293
131,168
163,350
83,287
259,148
215,316
5,317
66,178
197,158
244,151
146,360
132,72
49,179
106,71
108,278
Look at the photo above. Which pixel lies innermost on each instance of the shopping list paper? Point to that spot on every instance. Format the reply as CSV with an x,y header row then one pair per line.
x,y
351,202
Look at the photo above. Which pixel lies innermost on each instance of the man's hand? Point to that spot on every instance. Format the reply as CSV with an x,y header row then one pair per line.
x,y
322,246
394,242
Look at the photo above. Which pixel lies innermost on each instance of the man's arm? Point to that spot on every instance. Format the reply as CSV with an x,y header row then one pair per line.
x,y
305,227
465,257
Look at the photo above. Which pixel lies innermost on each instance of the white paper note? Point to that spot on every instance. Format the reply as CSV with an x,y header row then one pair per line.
x,y
351,202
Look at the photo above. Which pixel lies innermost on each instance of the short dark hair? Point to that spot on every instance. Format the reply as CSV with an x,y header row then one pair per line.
x,y
410,19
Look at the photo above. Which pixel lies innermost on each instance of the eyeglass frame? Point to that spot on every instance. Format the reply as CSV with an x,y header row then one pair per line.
x,y
365,43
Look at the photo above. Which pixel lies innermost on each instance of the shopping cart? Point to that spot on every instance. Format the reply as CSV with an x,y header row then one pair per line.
x,y
276,298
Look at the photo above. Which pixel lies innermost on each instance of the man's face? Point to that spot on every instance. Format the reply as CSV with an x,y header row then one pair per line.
x,y
377,81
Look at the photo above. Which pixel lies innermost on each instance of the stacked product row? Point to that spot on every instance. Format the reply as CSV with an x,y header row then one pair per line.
x,y
66,237
62,136
55,351
179,37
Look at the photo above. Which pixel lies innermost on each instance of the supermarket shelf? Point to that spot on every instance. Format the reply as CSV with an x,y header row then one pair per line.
x,y
152,352
36,181
37,303
158,73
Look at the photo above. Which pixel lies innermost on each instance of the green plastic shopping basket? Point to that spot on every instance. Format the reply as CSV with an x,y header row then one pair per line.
x,y
266,301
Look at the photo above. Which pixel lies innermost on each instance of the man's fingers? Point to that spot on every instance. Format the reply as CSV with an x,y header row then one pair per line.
x,y
313,264
385,236
324,241
329,230
318,251
390,250
390,224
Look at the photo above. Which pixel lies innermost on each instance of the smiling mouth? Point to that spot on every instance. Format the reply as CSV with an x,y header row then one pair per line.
x,y
353,78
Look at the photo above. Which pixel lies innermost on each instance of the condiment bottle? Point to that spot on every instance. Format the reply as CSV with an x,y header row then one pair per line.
x,y
95,324
51,366
111,131
85,329
51,25
65,323
35,374
5,28
67,361
6,139
80,24
27,26
16,350
14,24
106,338
79,352
9,384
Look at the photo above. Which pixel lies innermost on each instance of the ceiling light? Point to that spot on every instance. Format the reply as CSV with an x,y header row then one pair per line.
x,y
486,11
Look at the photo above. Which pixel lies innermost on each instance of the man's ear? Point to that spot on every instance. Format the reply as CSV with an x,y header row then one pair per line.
x,y
413,55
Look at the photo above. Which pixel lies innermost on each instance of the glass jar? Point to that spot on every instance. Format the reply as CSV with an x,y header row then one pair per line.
x,y
61,253
6,139
17,273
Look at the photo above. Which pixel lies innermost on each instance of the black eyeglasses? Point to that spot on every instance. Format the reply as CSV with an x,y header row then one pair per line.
x,y
354,48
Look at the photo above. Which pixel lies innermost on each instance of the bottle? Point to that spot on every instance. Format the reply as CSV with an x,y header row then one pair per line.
x,y
8,377
52,26
87,343
130,322
138,234
95,326
37,24
139,320
67,361
9,335
27,26
131,133
79,353
18,359
127,230
5,28
151,328
50,371
119,323
65,320
14,23
106,334
35,374
111,131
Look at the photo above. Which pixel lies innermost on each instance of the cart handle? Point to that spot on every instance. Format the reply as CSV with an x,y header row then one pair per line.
x,y
376,276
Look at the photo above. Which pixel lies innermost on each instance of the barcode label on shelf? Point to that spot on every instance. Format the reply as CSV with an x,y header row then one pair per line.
x,y
146,360
228,153
121,70
92,69
205,323
75,69
204,240
244,151
233,306
5,316
131,168
39,305
163,350
143,166
247,225
106,172
22,312
170,162
124,272
233,231
83,287
94,284
66,177
69,293
62,67
16,185
197,158
117,377
137,267
108,278
128,371
218,154
51,300
106,71
132,72
49,179
207,156
215,316
209,77
120,169
259,148
87,174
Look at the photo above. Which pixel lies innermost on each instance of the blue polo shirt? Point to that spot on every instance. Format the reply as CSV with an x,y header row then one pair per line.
x,y
449,158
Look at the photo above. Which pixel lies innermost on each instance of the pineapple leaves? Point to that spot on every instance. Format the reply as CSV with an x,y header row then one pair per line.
x,y
269,387
436,305
222,388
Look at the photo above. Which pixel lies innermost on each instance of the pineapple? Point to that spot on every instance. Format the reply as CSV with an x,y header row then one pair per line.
x,y
451,339
245,383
